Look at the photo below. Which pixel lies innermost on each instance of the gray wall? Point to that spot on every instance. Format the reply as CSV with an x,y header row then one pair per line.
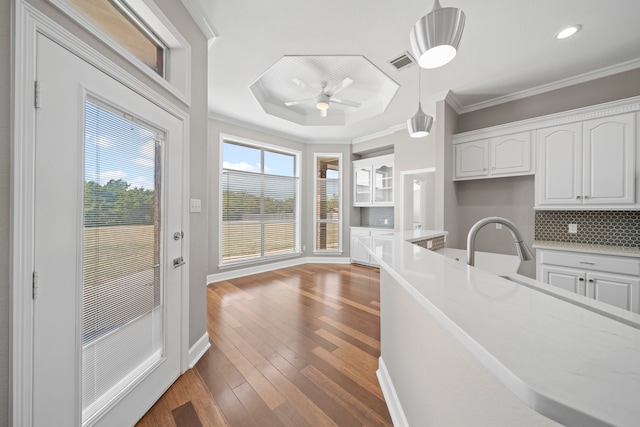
x,y
5,145
513,198
198,149
409,154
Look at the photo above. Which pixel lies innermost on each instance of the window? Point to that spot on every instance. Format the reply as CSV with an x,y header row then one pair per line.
x,y
139,32
328,210
119,21
260,189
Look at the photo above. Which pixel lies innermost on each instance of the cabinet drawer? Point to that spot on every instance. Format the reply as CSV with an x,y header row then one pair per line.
x,y
604,263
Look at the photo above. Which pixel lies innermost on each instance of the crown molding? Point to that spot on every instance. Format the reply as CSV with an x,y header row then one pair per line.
x,y
388,131
254,127
199,15
581,78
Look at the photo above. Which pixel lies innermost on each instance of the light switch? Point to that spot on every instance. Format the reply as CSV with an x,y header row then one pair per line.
x,y
196,205
573,228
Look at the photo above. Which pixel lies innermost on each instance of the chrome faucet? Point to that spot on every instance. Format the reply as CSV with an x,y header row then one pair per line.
x,y
523,251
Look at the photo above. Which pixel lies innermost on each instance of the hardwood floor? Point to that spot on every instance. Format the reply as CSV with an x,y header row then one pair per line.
x,y
297,346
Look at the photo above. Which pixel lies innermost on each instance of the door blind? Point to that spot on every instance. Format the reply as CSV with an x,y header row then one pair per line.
x,y
122,293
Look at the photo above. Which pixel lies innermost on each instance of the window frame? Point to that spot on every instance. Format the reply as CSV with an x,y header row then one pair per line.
x,y
177,75
297,155
316,156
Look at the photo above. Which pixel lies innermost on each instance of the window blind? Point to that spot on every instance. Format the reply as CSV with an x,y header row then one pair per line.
x,y
122,328
327,213
260,215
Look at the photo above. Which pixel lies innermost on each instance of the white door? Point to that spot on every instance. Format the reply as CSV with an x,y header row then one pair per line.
x,y
564,278
360,241
510,154
107,309
621,291
559,175
609,159
472,159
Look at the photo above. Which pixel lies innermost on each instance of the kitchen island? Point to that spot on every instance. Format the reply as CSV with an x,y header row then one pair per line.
x,y
460,346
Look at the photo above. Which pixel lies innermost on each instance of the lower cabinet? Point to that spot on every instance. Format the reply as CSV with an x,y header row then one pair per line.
x,y
362,239
610,279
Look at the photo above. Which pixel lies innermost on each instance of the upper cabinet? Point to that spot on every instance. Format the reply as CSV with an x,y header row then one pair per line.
x,y
493,157
588,165
373,181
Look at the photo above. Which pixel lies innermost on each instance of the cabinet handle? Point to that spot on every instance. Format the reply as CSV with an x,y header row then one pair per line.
x,y
588,263
493,168
591,280
581,279
586,196
578,197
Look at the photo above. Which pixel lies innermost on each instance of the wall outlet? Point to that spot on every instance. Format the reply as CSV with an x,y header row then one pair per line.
x,y
498,226
429,244
573,228
304,248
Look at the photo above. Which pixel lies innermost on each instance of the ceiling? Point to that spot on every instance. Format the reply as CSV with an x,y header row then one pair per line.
x,y
508,51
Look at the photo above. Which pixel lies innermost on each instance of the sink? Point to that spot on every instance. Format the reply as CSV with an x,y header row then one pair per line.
x,y
499,264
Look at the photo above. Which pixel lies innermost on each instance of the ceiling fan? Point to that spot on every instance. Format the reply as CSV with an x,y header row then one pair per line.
x,y
325,97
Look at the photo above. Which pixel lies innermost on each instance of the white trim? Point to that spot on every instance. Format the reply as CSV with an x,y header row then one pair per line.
x,y
398,418
27,22
252,126
177,78
199,15
612,108
198,350
389,131
581,78
228,275
340,202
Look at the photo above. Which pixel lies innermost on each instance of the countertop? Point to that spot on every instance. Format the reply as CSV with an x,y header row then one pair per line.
x,y
567,363
587,248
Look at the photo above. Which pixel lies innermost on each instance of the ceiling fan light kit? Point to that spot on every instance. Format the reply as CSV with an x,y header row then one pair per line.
x,y
436,36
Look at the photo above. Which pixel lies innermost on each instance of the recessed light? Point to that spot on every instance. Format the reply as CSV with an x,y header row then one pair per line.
x,y
569,31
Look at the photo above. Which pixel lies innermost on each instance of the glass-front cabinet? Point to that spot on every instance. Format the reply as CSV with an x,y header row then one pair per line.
x,y
373,181
362,185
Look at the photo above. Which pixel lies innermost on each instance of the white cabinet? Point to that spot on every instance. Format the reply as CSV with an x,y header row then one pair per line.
x,y
610,279
376,239
493,157
373,181
586,165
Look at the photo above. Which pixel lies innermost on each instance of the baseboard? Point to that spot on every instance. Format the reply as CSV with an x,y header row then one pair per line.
x,y
390,397
198,349
241,272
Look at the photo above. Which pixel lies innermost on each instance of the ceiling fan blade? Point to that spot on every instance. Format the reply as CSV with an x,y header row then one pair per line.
x,y
302,84
323,113
345,102
343,84
291,103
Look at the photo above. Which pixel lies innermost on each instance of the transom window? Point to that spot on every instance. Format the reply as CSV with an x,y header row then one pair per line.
x,y
260,189
118,20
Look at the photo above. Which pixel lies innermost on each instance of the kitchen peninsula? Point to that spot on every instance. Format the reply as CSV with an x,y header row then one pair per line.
x,y
460,346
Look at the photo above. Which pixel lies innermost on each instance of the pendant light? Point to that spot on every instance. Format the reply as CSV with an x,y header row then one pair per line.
x,y
420,124
436,36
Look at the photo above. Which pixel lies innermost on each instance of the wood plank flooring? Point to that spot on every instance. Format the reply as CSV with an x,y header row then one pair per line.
x,y
297,347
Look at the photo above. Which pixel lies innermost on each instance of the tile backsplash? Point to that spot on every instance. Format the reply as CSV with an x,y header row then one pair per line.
x,y
377,217
612,228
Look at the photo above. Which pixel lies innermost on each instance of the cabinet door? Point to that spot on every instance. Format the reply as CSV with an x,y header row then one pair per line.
x,y
564,278
621,291
383,183
379,246
472,159
510,154
559,171
360,241
609,161
362,185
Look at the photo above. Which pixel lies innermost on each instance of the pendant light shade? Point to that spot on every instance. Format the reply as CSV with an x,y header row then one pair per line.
x,y
420,124
436,36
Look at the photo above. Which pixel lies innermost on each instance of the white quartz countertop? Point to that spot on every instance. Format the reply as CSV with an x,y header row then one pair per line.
x,y
570,364
587,248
